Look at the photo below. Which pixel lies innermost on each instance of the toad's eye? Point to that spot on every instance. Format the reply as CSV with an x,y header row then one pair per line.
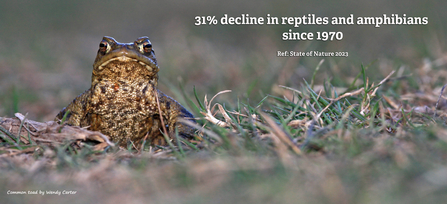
x,y
104,47
144,45
147,47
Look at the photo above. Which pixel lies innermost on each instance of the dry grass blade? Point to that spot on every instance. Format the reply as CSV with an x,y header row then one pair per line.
x,y
338,98
198,127
381,82
13,152
315,73
291,89
391,102
209,115
439,98
279,133
224,114
298,123
159,112
38,126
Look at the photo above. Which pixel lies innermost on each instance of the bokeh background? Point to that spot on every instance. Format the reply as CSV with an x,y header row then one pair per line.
x,y
47,47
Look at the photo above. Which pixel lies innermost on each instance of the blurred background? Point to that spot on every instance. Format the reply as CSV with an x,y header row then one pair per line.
x,y
47,47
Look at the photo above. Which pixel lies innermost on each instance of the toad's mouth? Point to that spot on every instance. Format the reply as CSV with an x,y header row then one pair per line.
x,y
126,59
125,55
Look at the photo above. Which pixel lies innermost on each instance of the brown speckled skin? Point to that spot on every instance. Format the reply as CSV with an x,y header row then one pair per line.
x,y
121,101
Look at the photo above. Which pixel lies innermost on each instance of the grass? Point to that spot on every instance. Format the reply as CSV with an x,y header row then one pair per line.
x,y
362,145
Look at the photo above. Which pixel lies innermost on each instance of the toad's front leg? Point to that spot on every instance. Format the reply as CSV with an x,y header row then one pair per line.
x,y
77,110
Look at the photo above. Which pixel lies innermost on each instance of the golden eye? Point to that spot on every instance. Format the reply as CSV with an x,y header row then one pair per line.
x,y
104,47
147,47
144,45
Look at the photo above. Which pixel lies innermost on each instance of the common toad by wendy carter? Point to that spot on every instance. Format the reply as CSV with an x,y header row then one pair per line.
x,y
122,100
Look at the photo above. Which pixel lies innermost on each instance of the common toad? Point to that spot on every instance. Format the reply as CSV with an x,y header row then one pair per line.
x,y
122,99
